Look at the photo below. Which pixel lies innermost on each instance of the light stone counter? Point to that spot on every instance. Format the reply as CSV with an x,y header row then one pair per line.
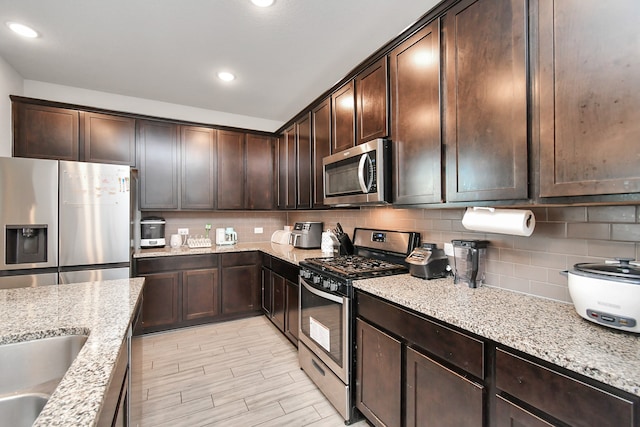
x,y
550,330
103,310
284,252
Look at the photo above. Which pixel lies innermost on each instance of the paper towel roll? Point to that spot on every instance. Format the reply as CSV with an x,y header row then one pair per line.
x,y
517,222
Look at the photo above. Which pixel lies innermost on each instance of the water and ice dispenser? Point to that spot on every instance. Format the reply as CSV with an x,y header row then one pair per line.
x,y
25,244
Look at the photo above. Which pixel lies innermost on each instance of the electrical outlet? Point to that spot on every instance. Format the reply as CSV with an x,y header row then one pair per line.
x,y
183,231
258,230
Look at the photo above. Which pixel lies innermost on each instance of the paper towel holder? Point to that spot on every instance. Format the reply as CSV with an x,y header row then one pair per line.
x,y
522,229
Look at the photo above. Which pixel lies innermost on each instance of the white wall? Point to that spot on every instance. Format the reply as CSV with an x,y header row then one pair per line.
x,y
11,83
110,101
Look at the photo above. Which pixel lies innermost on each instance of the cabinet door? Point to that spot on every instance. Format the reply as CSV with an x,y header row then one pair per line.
x,y
160,295
378,375
415,118
486,100
509,415
108,139
260,172
200,294
198,172
279,301
45,132
158,162
437,396
291,177
267,292
589,84
292,318
343,121
303,164
240,282
282,172
321,137
231,170
373,102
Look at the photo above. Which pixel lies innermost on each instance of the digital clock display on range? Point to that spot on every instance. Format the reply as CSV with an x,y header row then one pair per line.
x,y
378,236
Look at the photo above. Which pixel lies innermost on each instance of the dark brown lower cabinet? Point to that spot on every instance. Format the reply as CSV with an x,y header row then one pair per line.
x,y
280,292
240,282
291,324
509,414
279,301
200,294
161,302
438,396
379,375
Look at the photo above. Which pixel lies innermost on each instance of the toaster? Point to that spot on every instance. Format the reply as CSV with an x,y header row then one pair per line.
x,y
428,262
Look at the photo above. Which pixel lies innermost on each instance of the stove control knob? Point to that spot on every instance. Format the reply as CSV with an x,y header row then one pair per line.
x,y
326,283
305,274
316,279
333,287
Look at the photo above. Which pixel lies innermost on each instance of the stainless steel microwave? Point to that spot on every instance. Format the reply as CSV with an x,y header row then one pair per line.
x,y
359,175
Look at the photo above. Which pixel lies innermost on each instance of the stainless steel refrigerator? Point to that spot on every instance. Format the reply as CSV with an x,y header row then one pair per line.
x,y
63,222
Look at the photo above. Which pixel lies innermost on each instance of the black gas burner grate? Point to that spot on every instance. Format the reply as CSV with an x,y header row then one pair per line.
x,y
355,266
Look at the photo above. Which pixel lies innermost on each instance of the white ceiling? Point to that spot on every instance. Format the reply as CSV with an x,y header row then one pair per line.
x,y
170,50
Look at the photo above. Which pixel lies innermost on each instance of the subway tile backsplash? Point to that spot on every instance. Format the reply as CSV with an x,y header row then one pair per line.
x,y
563,237
532,265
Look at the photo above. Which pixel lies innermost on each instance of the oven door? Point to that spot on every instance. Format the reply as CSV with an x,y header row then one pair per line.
x,y
325,327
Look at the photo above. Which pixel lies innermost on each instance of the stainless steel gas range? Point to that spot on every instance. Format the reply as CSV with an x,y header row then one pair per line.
x,y
327,318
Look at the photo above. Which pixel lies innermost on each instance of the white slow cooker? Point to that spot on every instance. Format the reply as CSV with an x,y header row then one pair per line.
x,y
607,294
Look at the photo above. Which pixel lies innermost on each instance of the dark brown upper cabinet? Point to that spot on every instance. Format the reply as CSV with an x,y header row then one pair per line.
x,y
231,169
373,102
198,167
288,146
321,137
108,138
343,118
415,118
45,132
260,188
282,170
485,100
50,132
158,151
589,75
303,162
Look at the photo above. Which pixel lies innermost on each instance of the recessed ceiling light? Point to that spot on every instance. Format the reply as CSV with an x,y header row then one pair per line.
x,y
262,3
23,30
226,76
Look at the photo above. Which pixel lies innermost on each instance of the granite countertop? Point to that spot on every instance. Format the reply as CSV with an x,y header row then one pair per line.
x,y
550,330
284,252
103,310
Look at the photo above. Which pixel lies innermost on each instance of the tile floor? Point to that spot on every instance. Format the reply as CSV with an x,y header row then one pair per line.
x,y
237,373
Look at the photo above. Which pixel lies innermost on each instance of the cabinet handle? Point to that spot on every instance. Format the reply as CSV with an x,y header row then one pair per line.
x,y
520,380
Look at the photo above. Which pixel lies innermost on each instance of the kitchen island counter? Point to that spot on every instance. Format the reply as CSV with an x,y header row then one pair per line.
x,y
102,310
549,330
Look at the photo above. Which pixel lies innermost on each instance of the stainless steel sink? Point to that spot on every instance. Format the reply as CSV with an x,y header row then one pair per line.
x,y
29,372
21,409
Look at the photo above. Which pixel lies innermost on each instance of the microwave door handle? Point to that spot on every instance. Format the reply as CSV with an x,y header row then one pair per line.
x,y
361,179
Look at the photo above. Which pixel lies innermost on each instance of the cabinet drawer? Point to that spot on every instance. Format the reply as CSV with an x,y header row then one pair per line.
x,y
456,348
266,260
569,400
285,269
241,258
173,263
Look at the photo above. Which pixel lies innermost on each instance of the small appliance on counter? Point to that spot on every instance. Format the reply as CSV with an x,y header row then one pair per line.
x,y
152,232
470,259
607,293
306,235
226,236
428,262
281,237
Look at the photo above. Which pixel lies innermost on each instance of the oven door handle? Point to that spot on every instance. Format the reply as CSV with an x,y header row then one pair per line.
x,y
321,294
